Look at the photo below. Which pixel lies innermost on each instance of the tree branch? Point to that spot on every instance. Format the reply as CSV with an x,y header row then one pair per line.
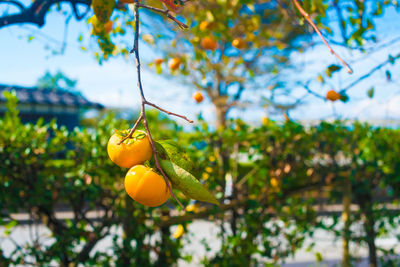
x,y
235,204
165,12
372,71
35,14
144,102
307,17
14,2
168,112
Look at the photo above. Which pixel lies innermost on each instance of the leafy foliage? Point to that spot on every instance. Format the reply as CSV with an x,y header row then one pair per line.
x,y
268,190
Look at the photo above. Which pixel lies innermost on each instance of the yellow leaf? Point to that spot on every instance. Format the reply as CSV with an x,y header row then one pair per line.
x,y
148,38
179,231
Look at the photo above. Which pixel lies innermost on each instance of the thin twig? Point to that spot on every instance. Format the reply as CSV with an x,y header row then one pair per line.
x,y
35,13
64,43
168,112
372,71
158,166
305,87
135,50
247,176
307,17
167,13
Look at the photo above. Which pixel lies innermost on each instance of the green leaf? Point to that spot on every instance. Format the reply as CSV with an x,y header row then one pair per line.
x,y
318,257
168,149
320,79
371,92
343,96
158,69
332,69
187,183
11,224
388,75
391,59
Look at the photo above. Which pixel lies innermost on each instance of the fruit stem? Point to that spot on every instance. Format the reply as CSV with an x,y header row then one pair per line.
x,y
133,129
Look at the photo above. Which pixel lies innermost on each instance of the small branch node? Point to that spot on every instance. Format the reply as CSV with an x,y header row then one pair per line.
x,y
168,112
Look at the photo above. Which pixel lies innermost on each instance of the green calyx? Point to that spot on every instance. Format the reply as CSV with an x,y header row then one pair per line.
x,y
137,135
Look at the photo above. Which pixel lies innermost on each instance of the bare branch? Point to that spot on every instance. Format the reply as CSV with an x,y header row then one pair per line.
x,y
372,71
35,14
168,112
307,17
13,2
305,86
165,12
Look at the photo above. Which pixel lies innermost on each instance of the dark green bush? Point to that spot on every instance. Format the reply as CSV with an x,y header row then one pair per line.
x,y
269,179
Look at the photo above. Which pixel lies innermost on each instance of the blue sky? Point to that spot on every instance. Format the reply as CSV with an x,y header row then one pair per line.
x,y
114,83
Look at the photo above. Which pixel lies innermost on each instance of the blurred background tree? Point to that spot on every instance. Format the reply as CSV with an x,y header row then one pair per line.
x,y
57,80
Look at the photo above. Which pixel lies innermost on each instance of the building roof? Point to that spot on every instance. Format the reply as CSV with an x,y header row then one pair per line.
x,y
45,96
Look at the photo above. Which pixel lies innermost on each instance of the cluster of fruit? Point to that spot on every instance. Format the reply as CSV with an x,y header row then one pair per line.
x,y
173,65
141,183
144,184
209,43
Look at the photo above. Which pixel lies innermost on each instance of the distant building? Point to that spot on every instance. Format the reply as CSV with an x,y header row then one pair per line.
x,y
59,104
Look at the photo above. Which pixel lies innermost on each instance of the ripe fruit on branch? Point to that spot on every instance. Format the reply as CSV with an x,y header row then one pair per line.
x,y
174,63
239,43
204,25
332,95
198,97
146,186
132,151
208,43
158,61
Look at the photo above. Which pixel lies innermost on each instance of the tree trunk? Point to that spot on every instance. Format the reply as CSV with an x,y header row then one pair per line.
x,y
221,113
223,156
371,235
369,223
127,228
346,260
164,257
223,160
